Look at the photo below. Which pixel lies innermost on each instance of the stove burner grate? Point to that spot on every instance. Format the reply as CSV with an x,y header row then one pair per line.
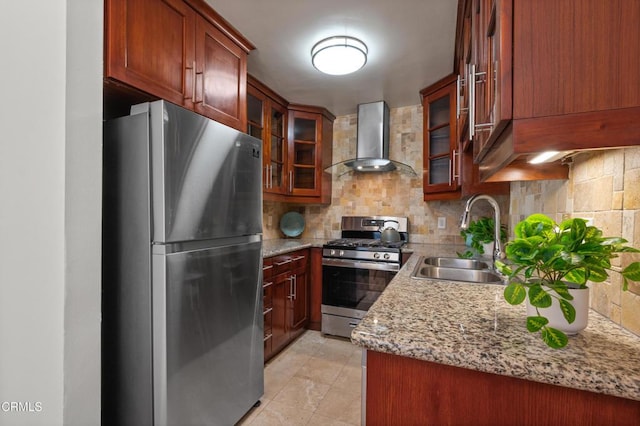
x,y
363,242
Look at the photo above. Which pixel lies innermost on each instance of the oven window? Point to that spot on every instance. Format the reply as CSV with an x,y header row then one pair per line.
x,y
351,287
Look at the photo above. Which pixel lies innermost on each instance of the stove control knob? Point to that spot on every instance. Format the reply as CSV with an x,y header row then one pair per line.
x,y
333,252
341,252
386,256
376,255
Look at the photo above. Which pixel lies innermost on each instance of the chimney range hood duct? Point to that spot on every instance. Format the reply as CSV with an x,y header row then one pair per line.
x,y
372,149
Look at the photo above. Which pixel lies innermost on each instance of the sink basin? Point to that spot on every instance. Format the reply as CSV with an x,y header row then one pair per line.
x,y
453,269
455,262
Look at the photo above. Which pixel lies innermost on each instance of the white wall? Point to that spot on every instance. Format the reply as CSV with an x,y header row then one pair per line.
x,y
49,213
83,212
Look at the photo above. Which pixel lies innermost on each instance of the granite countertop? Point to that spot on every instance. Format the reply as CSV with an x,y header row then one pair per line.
x,y
286,245
472,326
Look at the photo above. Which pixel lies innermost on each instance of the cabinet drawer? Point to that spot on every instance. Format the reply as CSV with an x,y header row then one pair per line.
x,y
281,264
267,295
299,259
286,262
268,321
267,268
268,346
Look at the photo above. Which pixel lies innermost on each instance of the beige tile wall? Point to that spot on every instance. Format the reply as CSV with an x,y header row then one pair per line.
x,y
393,194
603,186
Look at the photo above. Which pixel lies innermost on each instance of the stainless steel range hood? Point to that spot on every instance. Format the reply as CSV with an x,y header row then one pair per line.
x,y
372,149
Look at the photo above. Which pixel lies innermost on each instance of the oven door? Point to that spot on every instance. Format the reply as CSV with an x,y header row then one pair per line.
x,y
352,285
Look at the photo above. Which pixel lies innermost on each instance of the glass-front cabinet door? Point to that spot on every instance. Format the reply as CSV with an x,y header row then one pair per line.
x,y
267,121
305,166
277,148
441,155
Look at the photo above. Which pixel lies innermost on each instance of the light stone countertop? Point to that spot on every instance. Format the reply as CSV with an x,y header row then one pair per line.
x,y
472,326
286,245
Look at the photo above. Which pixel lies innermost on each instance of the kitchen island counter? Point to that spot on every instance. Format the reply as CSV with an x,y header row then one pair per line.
x,y
471,326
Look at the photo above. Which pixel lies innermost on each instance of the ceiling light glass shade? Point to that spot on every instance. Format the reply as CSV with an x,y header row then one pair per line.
x,y
339,55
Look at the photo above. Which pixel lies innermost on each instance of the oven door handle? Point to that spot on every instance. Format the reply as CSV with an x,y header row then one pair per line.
x,y
344,263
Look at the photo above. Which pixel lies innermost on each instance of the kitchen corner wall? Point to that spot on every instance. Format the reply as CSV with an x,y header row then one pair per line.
x,y
393,194
603,186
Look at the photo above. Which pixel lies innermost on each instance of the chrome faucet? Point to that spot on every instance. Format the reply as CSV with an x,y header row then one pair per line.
x,y
466,216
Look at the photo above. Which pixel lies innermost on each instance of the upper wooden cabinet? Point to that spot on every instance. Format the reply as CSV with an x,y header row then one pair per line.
x,y
546,75
221,76
268,120
441,153
310,152
449,172
297,146
181,51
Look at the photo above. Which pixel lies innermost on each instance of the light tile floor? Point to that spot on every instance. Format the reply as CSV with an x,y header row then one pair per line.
x,y
314,381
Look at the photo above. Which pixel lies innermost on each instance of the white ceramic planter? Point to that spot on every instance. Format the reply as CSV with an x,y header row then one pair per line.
x,y
556,320
488,249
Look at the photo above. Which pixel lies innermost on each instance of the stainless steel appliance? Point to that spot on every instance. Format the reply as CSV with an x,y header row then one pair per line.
x,y
182,291
357,268
372,147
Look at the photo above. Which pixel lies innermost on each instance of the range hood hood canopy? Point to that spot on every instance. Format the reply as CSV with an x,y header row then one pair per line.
x,y
372,149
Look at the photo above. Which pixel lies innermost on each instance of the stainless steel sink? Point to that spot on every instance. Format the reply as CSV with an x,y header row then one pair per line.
x,y
455,262
467,270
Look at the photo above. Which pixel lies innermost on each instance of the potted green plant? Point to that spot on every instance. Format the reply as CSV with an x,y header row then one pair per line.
x,y
549,263
480,236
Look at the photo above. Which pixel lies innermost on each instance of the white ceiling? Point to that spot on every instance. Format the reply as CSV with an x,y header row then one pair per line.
x,y
410,43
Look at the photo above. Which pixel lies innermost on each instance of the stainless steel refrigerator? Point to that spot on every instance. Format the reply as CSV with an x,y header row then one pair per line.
x,y
182,269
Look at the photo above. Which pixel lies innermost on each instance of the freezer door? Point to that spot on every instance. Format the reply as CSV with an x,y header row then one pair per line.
x,y
208,332
206,177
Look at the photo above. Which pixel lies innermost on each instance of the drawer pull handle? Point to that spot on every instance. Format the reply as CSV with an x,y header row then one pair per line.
x,y
282,263
298,258
269,284
267,267
267,311
267,337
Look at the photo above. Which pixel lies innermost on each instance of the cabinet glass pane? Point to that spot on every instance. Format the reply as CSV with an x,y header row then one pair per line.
x,y
254,110
277,123
439,112
304,130
439,170
304,178
255,131
277,149
439,141
276,174
304,153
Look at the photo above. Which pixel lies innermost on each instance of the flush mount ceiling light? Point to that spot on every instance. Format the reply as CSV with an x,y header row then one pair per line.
x,y
339,55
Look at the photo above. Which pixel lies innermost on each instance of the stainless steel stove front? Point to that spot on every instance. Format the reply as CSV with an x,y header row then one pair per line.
x,y
349,289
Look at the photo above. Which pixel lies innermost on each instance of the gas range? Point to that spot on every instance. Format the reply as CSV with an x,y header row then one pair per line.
x,y
361,239
362,249
356,269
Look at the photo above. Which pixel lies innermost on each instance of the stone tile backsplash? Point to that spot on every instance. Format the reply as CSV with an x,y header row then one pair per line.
x,y
393,194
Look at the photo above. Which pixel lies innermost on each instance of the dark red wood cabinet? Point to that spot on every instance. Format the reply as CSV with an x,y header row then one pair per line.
x,y
408,391
449,172
286,299
181,51
546,75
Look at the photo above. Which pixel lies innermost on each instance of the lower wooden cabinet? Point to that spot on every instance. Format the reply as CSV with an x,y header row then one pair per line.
x,y
408,391
286,299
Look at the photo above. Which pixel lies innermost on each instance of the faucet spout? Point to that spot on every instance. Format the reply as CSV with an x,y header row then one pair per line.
x,y
466,216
